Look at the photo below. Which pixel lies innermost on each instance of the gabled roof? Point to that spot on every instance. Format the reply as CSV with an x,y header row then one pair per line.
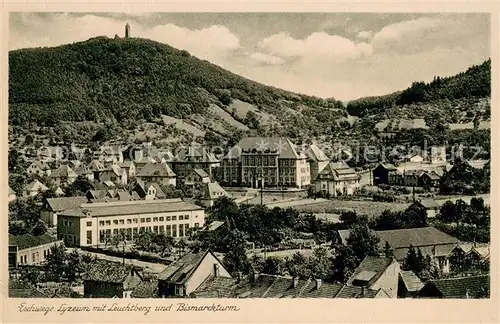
x,y
282,145
411,281
213,226
156,170
460,287
105,271
314,153
36,185
215,287
181,270
370,270
95,165
82,170
201,173
356,292
125,164
26,293
159,191
146,289
63,203
338,171
195,153
64,171
27,240
423,236
212,190
114,168
41,165
109,184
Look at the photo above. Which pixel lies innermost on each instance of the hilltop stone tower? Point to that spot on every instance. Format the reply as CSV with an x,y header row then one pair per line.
x,y
127,30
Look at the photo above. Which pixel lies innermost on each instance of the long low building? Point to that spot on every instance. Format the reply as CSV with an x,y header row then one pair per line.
x,y
30,250
95,223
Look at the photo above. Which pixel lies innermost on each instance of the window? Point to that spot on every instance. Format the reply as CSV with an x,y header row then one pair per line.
x,y
174,230
155,229
122,221
108,222
181,230
148,220
115,231
143,220
181,217
89,237
155,219
102,235
167,218
33,257
162,229
186,217
174,218
101,223
129,221
70,223
65,223
115,221
134,230
168,230
135,220
162,219
89,224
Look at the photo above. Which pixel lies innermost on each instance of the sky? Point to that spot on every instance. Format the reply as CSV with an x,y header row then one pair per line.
x,y
339,55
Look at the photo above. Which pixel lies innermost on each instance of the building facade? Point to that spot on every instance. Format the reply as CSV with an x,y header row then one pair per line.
x,y
95,223
30,250
337,179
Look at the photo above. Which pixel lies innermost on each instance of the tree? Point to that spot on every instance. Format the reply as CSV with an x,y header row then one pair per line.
x,y
74,267
298,266
236,259
388,251
321,264
344,263
363,241
348,217
79,187
273,266
55,263
30,275
410,262
143,241
165,242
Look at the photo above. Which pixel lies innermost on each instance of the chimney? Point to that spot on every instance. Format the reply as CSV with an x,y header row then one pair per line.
x,y
127,30
216,270
318,283
295,282
363,291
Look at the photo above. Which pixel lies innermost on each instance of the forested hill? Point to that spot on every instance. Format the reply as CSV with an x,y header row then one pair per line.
x,y
133,79
475,82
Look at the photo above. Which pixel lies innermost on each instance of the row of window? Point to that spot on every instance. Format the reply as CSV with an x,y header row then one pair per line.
x,y
35,256
142,220
257,160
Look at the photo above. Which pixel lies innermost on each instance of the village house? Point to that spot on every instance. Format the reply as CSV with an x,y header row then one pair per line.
x,y
149,190
429,240
12,195
30,250
337,179
470,257
52,206
377,273
381,173
457,288
414,158
210,192
38,168
129,168
317,160
34,188
194,157
104,279
96,167
196,177
114,174
84,171
63,175
265,162
157,172
414,178
142,162
184,276
431,206
90,224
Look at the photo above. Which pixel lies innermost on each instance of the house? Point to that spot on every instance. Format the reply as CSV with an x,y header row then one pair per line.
x,y
409,284
38,168
457,288
415,158
111,154
196,177
132,153
157,172
429,240
96,167
337,179
108,184
12,195
414,178
275,286
53,206
90,224
438,154
431,206
470,257
149,190
34,188
429,179
194,157
210,192
84,171
381,173
104,279
30,250
317,160
114,174
377,273
265,162
142,162
185,275
63,175
129,168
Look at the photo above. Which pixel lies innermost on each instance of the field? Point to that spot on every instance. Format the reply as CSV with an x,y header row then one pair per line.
x,y
224,115
182,125
368,208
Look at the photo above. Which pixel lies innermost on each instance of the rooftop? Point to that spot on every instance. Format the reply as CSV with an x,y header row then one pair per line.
x,y
464,287
282,145
63,203
27,240
156,170
64,171
370,270
424,236
181,270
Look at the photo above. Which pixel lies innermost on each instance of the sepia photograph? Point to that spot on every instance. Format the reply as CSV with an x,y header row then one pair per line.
x,y
248,155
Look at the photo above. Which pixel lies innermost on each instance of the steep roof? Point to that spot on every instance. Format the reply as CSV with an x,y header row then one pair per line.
x,y
338,171
460,287
36,185
131,207
282,145
201,173
64,171
95,165
314,153
26,293
215,287
356,292
411,281
146,289
156,170
63,203
105,271
27,240
212,190
181,270
417,237
214,225
11,191
370,270
41,165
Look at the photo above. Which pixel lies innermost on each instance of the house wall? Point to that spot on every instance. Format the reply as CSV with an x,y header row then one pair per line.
x,y
389,280
49,217
35,255
303,173
133,224
205,268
